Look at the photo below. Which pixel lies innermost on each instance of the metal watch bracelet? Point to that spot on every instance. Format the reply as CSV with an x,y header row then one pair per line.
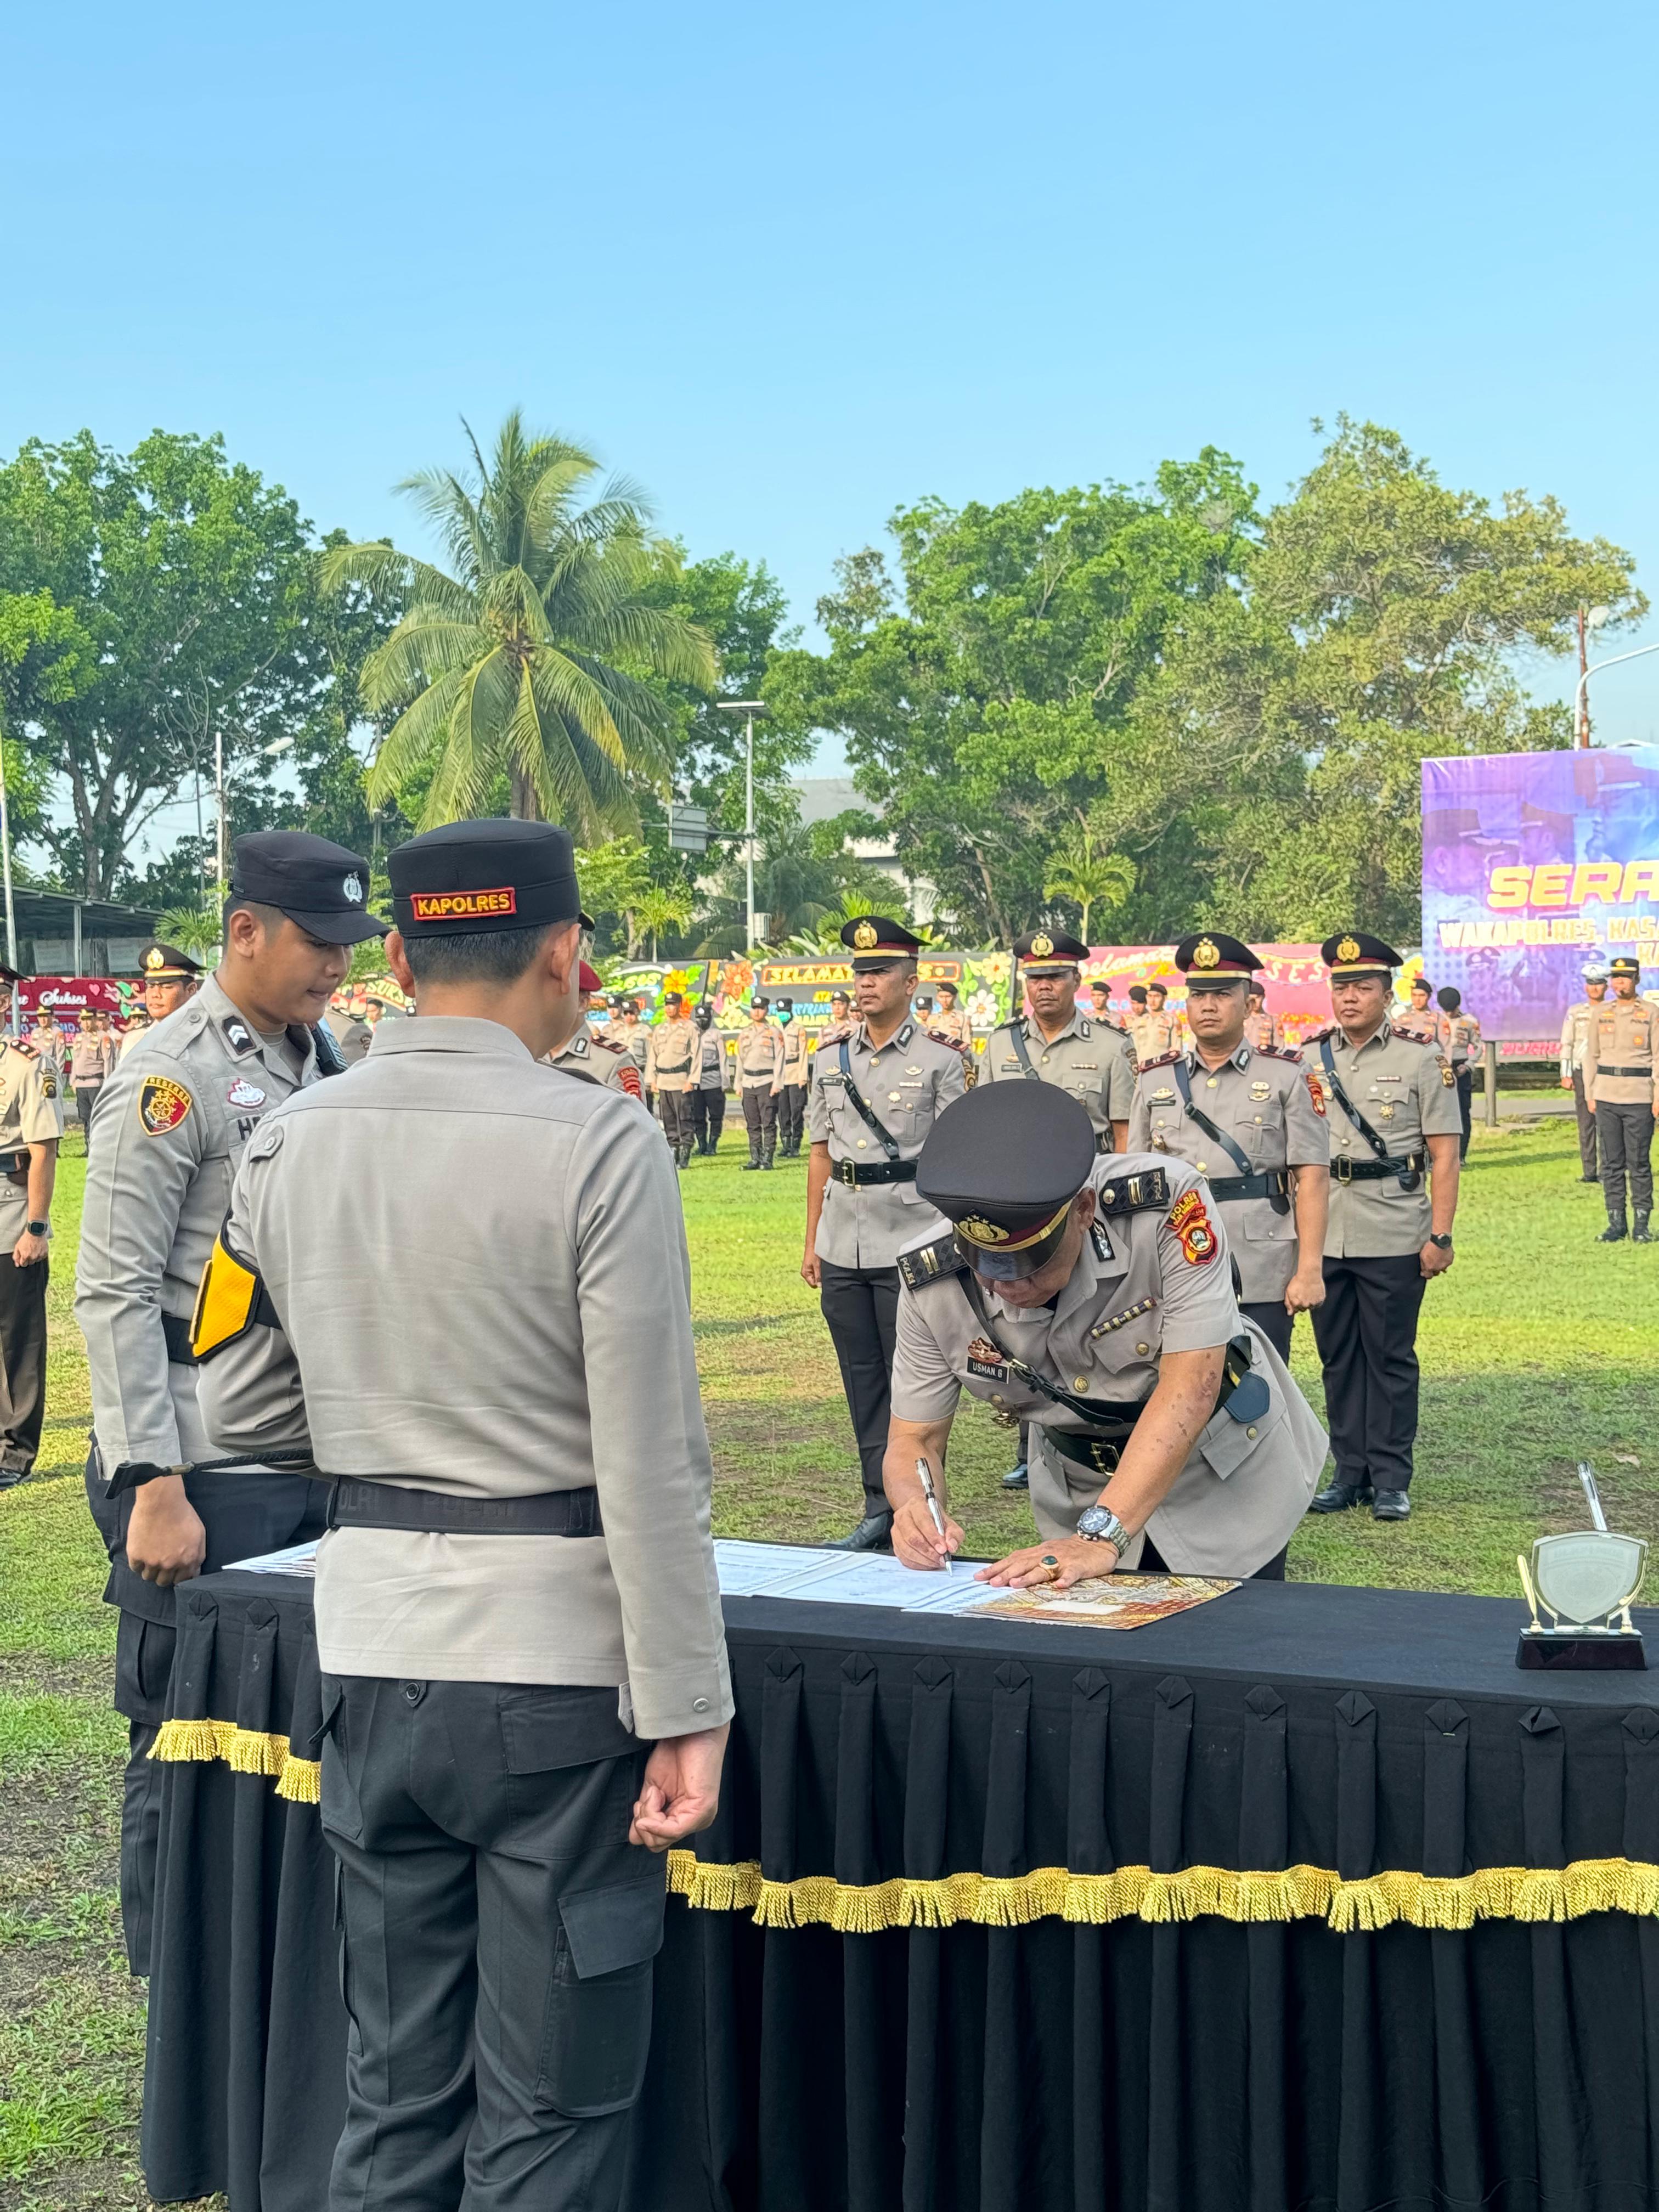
x,y
1098,1524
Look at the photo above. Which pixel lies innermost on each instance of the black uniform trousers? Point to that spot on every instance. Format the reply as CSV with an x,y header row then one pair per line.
x,y
791,1115
708,1116
23,1362
1366,1334
760,1112
1626,1138
242,1515
1586,1127
860,1305
497,1931
1465,1107
674,1112
1274,1323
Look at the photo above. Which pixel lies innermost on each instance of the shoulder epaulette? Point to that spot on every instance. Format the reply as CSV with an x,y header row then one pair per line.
x,y
931,1263
1290,1052
606,1044
22,1044
1134,1194
1166,1059
1318,1037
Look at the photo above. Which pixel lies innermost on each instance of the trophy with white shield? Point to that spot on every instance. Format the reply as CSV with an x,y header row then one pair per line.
x,y
1586,1582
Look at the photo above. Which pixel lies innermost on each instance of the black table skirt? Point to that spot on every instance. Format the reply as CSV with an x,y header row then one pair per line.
x,y
1306,1898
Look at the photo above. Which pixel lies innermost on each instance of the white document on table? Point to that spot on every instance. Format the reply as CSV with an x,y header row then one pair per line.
x,y
297,1559
749,1570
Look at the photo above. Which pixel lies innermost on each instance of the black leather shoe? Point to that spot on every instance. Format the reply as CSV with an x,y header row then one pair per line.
x,y
11,1476
873,1534
751,1167
1589,1178
1017,1478
1341,1497
1391,1506
1615,1232
1641,1234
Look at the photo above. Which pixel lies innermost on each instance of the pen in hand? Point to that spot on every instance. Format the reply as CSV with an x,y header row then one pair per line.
x,y
924,1477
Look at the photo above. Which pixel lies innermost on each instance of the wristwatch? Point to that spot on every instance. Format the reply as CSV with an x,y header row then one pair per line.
x,y
1440,1243
39,1228
1098,1524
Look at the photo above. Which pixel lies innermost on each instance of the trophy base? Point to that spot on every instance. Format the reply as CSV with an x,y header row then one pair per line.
x,y
1541,1650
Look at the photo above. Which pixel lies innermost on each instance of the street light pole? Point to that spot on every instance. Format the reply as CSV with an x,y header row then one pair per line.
x,y
5,865
1580,712
748,708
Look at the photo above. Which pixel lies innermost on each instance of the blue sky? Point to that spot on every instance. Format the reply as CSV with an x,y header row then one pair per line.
x,y
792,266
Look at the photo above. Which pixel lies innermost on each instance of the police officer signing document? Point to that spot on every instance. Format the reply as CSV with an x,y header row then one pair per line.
x,y
1093,1298
878,1088
465,1285
1252,1122
170,1130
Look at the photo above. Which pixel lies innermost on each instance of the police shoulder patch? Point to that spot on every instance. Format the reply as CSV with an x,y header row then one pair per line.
x,y
931,1263
162,1104
1191,1224
237,1035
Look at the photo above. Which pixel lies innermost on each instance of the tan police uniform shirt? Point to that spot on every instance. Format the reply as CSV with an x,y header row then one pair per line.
x,y
1261,1031
354,1037
92,1059
952,1025
1459,1037
1575,1036
542,1344
166,1140
1152,1035
1087,1059
1406,1092
1622,1035
906,1083
31,1113
1267,1103
795,1058
672,1056
760,1056
599,1060
1145,1283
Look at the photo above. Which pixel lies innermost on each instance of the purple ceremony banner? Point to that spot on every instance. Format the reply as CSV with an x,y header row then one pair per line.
x,y
1533,863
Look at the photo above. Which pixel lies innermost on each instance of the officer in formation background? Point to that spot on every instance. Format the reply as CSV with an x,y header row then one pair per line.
x,y
1575,1040
1620,1093
760,1078
31,1128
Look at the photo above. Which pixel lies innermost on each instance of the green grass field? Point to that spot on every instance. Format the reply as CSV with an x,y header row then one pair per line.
x,y
1538,1349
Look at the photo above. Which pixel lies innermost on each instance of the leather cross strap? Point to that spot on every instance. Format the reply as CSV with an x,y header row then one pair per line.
x,y
1409,1172
1097,1416
1017,1038
1235,1153
865,1112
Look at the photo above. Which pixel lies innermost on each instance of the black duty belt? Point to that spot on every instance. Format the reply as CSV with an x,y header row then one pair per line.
x,y
856,1175
1343,1170
1636,1074
1274,1183
358,1505
1113,1425
176,1329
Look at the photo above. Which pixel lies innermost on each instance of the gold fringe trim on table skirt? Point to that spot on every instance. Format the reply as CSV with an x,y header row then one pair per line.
x,y
1300,1893
245,1751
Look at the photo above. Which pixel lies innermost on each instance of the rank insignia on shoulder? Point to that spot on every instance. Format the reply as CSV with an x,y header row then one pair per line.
x,y
237,1035
1290,1052
931,1263
1164,1060
22,1044
1134,1194
162,1104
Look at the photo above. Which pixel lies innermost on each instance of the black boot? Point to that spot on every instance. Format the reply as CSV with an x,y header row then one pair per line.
x,y
1615,1232
766,1159
1639,1234
754,1159
685,1153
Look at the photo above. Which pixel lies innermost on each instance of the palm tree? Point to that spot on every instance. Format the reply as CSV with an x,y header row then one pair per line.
x,y
515,661
659,910
1088,877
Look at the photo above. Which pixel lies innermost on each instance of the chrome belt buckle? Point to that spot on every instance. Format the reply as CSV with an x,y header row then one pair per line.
x,y
847,1173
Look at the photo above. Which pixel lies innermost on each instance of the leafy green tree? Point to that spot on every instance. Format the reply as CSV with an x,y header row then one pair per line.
x,y
533,658
660,910
1271,779
1079,870
983,705
189,581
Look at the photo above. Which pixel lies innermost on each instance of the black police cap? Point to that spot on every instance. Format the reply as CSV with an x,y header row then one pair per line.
x,y
1624,964
484,876
167,963
1046,952
875,940
1351,952
1211,953
1005,1164
322,886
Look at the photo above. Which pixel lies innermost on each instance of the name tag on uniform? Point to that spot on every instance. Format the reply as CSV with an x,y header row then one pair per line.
x,y
987,1362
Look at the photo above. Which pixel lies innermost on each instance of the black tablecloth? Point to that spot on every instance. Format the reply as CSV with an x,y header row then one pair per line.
x,y
1305,1898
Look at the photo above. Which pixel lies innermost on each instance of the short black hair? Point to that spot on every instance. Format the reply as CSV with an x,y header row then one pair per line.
x,y
1449,1000
271,917
497,957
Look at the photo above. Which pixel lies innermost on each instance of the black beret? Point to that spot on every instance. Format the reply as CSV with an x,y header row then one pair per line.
x,y
1211,952
322,886
484,876
1003,1164
1351,953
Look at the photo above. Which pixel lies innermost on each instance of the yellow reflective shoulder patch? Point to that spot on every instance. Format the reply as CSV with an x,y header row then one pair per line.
x,y
225,1301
